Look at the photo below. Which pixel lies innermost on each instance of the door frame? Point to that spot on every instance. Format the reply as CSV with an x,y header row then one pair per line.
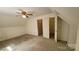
x,y
38,27
55,36
56,28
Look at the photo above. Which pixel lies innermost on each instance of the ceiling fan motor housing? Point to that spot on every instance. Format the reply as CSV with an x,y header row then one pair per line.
x,y
23,12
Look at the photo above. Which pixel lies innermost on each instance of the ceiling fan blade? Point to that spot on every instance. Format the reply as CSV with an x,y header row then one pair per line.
x,y
21,12
29,14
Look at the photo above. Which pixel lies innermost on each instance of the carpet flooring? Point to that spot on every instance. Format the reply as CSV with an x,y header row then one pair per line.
x,y
32,43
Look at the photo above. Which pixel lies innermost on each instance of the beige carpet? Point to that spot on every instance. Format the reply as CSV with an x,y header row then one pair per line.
x,y
32,43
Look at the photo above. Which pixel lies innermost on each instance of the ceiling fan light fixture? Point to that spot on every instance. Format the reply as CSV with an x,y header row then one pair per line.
x,y
23,16
24,13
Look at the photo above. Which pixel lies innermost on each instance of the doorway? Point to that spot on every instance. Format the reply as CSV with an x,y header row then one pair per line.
x,y
52,27
40,27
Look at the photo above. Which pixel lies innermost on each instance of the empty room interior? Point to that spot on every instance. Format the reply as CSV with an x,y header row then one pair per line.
x,y
39,29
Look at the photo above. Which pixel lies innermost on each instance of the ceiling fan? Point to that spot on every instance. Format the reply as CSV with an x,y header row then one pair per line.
x,y
24,13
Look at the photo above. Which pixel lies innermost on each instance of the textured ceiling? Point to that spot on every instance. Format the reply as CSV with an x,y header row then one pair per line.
x,y
9,18
37,11
8,14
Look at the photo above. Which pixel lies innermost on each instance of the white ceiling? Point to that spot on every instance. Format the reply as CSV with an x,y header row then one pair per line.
x,y
70,13
37,11
8,16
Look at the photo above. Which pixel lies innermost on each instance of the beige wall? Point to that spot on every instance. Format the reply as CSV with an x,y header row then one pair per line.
x,y
0,34
10,32
72,36
11,26
77,41
63,30
31,25
7,20
46,27
69,33
70,14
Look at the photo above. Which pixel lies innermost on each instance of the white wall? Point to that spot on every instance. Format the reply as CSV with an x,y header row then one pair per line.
x,y
31,25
